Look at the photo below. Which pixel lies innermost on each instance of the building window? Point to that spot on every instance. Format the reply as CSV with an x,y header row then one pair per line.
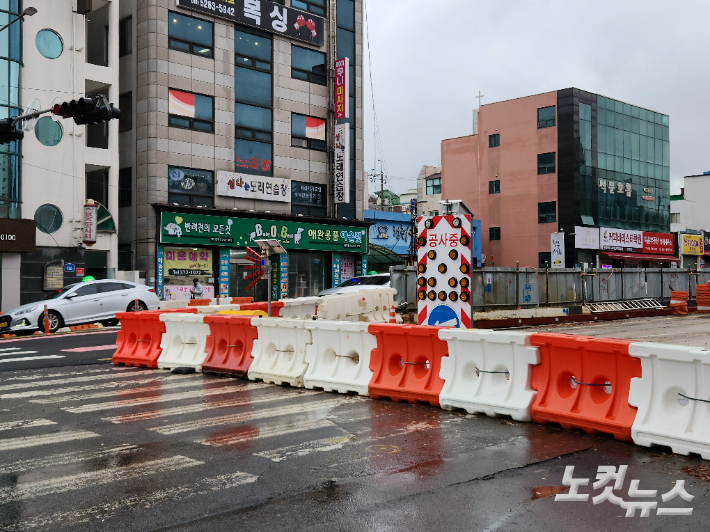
x,y
49,44
546,117
187,186
494,140
544,259
494,187
546,163
308,199
48,218
547,212
494,233
125,187
433,186
125,37
675,217
308,65
313,6
252,50
308,132
191,35
253,118
125,104
97,186
48,132
253,157
190,111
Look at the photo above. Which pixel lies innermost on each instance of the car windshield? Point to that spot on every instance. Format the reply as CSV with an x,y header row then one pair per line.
x,y
378,280
59,293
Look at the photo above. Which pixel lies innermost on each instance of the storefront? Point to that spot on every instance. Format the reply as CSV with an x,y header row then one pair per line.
x,y
212,248
390,239
622,248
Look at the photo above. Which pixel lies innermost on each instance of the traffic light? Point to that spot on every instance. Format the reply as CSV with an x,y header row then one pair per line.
x,y
8,131
88,110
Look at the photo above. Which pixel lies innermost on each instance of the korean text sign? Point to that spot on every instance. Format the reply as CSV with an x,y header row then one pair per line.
x,y
90,214
188,262
265,15
586,237
658,243
692,244
621,239
557,250
341,189
205,230
342,88
253,187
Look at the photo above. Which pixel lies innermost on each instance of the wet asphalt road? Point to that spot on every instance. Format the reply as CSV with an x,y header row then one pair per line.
x,y
102,448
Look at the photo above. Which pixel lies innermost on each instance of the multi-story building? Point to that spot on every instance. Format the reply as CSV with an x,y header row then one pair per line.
x,y
563,160
690,221
232,140
429,190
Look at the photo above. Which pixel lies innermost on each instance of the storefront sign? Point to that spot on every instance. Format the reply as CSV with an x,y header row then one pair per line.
x,y
253,187
364,265
341,188
342,88
182,292
311,194
53,275
265,15
336,270
160,274
275,275
615,187
188,262
659,243
80,272
557,250
586,237
283,261
90,213
391,230
17,236
621,239
205,230
347,267
691,244
224,272
706,242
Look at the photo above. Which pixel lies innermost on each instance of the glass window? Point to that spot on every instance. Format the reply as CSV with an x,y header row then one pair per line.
x,y
49,44
308,199
250,45
48,218
546,163
494,187
253,157
346,14
346,44
494,233
494,140
188,186
252,86
125,37
110,287
191,35
313,6
87,290
547,212
97,186
544,259
249,116
433,186
308,132
48,132
546,117
308,65
308,273
125,187
125,104
191,111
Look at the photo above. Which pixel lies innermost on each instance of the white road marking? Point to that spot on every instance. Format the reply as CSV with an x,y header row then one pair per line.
x,y
88,378
25,423
201,407
10,349
93,479
45,439
37,376
206,423
96,407
23,466
14,353
292,427
5,360
302,449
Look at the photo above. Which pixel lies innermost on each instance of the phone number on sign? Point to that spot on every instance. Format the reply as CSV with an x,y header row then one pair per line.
x,y
213,6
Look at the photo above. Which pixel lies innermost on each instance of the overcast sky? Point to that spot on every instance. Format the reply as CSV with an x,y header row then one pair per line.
x,y
431,57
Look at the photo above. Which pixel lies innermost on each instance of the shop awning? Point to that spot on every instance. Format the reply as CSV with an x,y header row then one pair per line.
x,y
639,256
380,258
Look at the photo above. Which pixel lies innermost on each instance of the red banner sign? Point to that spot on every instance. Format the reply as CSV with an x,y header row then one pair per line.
x,y
342,88
659,243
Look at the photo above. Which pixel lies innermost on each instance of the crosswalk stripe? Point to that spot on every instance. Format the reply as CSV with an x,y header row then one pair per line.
x,y
25,423
88,378
96,407
93,479
39,376
45,439
25,359
201,407
23,466
15,353
268,432
10,349
205,423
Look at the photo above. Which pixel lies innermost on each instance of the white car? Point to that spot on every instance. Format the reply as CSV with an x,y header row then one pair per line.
x,y
366,282
76,304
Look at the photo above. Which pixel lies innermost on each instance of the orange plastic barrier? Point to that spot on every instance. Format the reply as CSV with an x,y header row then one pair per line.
x,y
242,300
702,297
229,345
199,303
264,305
406,363
679,303
140,335
583,383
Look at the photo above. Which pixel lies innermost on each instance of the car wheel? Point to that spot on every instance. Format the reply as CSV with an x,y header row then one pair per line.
x,y
55,321
132,307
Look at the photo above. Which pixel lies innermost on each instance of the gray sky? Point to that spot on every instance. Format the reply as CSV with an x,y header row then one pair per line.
x,y
431,57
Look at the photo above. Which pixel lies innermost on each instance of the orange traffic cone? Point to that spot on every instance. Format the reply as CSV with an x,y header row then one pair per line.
x,y
393,316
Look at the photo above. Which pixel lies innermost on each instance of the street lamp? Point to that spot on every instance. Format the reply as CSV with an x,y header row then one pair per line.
x,y
28,12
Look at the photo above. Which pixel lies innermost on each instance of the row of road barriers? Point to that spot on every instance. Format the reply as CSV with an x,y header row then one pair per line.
x,y
650,394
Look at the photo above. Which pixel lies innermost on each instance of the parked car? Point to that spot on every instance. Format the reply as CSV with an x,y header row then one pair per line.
x,y
366,282
79,303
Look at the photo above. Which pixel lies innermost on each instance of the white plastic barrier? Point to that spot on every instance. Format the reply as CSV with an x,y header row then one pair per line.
x,y
343,307
280,351
225,301
214,309
181,303
671,397
184,340
377,304
339,356
488,372
302,308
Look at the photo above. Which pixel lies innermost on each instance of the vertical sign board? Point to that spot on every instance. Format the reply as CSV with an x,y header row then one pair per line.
x,y
557,250
336,269
90,213
444,270
364,264
275,276
160,271
342,88
53,275
341,172
284,275
224,272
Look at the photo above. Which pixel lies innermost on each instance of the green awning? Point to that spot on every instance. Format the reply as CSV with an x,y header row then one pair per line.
x,y
381,258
